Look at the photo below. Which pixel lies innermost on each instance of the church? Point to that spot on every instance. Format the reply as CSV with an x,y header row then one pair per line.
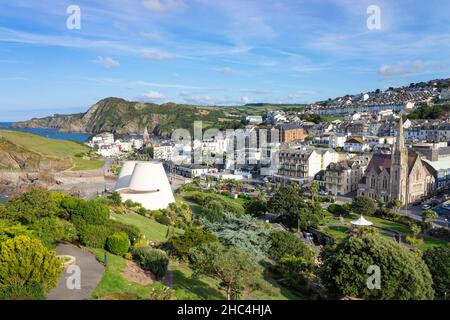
x,y
401,175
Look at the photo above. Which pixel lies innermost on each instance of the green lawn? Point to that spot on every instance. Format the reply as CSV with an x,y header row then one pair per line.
x,y
51,148
188,288
239,201
152,230
113,284
336,232
431,242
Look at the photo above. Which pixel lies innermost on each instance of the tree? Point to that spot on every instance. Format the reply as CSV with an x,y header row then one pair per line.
x,y
415,229
246,233
438,261
363,205
314,191
191,238
116,198
234,268
255,207
404,275
27,261
293,210
428,215
286,244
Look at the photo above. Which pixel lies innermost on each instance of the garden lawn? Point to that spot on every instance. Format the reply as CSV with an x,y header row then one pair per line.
x,y
221,196
336,232
431,242
188,288
152,230
201,288
113,285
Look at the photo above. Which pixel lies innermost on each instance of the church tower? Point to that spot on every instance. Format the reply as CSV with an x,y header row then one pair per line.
x,y
399,168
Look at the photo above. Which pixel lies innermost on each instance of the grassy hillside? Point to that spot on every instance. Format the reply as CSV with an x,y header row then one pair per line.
x,y
27,151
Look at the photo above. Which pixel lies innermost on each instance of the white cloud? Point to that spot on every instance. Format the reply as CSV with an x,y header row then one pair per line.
x,y
153,96
163,5
107,62
245,100
155,54
409,67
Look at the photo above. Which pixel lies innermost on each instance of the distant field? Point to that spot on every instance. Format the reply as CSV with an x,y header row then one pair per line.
x,y
51,148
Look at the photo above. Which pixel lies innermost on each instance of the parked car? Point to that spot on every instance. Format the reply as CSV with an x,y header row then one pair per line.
x,y
426,207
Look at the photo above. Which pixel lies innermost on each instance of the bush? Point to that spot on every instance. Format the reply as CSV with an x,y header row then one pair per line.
x,y
151,259
118,243
133,232
131,204
165,220
337,209
93,236
33,291
93,212
26,261
116,198
142,211
414,241
52,230
438,261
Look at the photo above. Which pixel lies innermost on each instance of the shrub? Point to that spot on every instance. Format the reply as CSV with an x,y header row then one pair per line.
x,y
93,235
33,291
165,220
116,198
337,209
414,241
52,230
118,243
25,261
93,212
141,211
151,259
131,204
10,230
133,232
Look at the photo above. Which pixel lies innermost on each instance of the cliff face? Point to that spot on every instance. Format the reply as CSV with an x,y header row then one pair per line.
x,y
14,157
121,116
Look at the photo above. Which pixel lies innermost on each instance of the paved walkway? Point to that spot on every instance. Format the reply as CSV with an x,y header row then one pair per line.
x,y
90,269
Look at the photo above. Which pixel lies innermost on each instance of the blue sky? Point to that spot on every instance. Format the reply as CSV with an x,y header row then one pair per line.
x,y
212,52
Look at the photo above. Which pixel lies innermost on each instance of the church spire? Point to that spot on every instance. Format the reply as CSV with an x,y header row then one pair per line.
x,y
400,141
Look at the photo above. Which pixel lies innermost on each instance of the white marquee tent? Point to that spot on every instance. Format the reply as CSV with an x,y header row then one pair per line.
x,y
145,183
361,222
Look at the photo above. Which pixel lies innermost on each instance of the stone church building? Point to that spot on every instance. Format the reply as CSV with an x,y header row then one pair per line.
x,y
401,175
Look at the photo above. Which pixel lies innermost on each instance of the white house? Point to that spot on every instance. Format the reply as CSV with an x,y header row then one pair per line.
x,y
356,144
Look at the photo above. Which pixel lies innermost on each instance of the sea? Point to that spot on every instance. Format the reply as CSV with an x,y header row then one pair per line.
x,y
48,133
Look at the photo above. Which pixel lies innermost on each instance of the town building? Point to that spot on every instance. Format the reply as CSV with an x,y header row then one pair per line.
x,y
356,144
343,177
292,132
402,175
145,183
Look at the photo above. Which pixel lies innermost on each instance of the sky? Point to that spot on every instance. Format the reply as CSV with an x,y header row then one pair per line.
x,y
212,52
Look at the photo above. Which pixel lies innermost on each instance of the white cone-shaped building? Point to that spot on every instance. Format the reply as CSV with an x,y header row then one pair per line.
x,y
145,183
